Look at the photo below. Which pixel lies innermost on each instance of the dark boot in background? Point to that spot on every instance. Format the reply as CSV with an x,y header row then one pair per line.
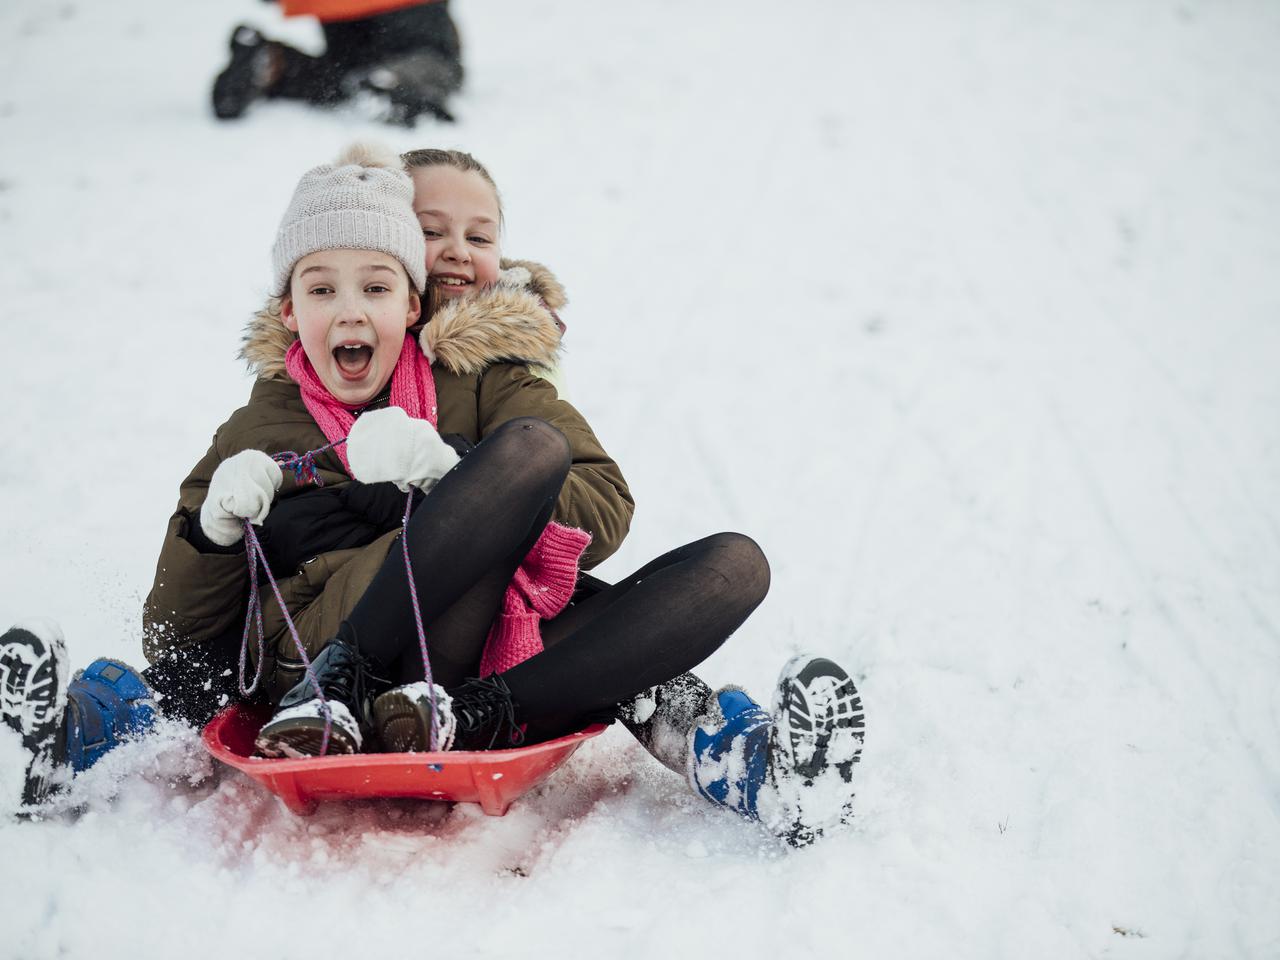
x,y
249,76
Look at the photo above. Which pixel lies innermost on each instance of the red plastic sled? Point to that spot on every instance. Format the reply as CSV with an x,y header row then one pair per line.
x,y
491,778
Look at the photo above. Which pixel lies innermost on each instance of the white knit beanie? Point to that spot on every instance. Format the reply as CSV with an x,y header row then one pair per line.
x,y
363,201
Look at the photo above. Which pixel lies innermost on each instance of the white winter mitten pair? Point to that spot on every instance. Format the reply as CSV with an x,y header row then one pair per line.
x,y
390,445
242,488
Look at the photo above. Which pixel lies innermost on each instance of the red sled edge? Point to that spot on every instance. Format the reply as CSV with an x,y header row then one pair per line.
x,y
492,778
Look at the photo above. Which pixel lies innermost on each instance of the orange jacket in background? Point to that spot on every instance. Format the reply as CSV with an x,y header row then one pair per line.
x,y
328,11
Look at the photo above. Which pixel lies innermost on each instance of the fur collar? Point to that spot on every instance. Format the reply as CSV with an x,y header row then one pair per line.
x,y
511,321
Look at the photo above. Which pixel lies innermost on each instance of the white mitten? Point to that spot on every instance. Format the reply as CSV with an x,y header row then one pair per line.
x,y
390,445
242,488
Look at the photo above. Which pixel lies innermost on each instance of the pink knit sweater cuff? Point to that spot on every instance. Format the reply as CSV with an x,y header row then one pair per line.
x,y
549,574
541,588
513,639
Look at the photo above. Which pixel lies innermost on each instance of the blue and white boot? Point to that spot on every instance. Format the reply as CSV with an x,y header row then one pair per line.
x,y
65,728
792,771
33,697
729,751
106,702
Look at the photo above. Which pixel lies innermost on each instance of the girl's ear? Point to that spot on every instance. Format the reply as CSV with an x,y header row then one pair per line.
x,y
415,310
287,316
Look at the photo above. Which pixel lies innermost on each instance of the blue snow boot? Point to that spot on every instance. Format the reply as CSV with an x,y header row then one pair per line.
x,y
729,758
106,702
792,770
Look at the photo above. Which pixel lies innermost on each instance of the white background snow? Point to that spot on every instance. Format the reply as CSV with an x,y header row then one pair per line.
x,y
968,312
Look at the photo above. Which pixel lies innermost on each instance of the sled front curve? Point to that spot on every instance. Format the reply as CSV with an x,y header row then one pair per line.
x,y
491,778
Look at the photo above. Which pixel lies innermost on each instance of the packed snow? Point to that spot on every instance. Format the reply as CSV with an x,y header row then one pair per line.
x,y
968,313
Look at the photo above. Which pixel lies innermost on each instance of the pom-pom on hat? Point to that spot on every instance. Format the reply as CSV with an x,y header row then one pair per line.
x,y
362,201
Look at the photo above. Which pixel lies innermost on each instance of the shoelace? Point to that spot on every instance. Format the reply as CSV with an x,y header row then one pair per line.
x,y
304,469
481,702
348,680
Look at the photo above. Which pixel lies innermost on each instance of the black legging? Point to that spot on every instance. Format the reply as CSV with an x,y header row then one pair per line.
x,y
468,537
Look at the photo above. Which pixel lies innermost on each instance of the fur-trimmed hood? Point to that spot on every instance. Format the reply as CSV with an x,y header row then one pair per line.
x,y
512,321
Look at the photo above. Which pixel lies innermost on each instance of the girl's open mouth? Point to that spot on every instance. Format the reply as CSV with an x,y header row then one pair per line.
x,y
451,284
353,360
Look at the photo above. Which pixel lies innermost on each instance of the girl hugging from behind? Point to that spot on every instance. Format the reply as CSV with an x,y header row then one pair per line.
x,y
414,372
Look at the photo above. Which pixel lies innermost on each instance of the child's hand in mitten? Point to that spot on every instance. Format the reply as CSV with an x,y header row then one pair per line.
x,y
242,488
390,445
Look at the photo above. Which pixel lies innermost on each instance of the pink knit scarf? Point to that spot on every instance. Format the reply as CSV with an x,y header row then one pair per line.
x,y
544,582
413,389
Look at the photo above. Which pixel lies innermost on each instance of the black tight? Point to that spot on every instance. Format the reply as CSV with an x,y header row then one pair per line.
x,y
654,625
466,541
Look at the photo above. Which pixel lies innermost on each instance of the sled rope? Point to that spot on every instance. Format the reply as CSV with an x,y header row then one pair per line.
x,y
304,470
417,621
255,553
304,465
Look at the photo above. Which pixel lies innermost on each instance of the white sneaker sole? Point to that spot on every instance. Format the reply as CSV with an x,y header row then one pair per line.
x,y
33,697
33,676
402,717
820,721
299,732
818,735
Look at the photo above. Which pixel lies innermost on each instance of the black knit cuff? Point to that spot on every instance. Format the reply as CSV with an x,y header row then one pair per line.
x,y
194,534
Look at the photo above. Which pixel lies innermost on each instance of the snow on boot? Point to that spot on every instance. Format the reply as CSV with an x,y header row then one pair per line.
x,y
729,751
106,702
818,735
791,771
33,697
245,78
662,716
297,729
402,717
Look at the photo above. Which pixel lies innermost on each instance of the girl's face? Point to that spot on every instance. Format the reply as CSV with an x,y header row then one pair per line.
x,y
350,309
458,211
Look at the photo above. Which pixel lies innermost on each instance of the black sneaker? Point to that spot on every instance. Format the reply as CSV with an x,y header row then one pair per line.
x,y
245,78
485,715
33,699
297,729
818,734
402,717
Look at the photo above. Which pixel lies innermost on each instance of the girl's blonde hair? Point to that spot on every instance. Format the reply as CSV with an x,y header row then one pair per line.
x,y
431,157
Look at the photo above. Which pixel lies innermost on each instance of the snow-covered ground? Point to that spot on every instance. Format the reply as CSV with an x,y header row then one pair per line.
x,y
969,313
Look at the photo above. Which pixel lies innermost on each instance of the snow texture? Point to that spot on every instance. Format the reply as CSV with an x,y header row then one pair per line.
x,y
999,278
15,760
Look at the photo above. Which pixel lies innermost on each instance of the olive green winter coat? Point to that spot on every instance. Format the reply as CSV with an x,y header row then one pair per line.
x,y
490,354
